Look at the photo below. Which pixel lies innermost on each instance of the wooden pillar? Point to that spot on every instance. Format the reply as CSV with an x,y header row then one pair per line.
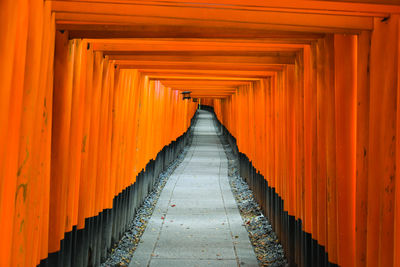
x,y
63,73
345,117
382,141
362,150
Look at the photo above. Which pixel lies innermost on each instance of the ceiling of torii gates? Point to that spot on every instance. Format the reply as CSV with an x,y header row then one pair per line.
x,y
210,47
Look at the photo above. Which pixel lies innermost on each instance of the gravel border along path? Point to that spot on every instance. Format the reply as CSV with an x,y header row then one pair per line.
x,y
266,245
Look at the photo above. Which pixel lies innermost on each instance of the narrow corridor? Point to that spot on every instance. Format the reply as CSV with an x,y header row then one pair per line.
x,y
98,100
196,221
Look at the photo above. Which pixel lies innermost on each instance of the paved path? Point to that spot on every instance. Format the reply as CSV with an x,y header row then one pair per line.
x,y
196,221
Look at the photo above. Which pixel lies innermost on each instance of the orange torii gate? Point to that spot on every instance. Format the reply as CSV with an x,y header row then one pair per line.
x,y
90,98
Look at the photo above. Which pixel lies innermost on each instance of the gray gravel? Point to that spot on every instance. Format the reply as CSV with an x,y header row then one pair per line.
x,y
121,253
266,245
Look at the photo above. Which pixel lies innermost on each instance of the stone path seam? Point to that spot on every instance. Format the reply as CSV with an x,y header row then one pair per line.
x,y
226,213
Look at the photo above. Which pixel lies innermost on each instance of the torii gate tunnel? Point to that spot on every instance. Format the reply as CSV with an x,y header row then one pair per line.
x,y
91,111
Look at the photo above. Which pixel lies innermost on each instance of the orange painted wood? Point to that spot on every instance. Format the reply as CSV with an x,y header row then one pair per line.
x,y
290,179
310,137
368,6
315,112
362,149
12,37
23,176
382,139
75,138
321,187
86,178
346,118
188,13
94,130
43,117
62,97
330,152
396,252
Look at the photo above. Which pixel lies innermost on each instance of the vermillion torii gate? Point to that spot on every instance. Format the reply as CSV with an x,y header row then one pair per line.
x,y
90,96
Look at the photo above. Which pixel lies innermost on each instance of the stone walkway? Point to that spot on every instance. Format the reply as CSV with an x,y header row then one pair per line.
x,y
196,221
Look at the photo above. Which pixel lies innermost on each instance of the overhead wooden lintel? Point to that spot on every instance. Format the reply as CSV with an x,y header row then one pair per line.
x,y
188,15
362,8
207,73
124,64
208,59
